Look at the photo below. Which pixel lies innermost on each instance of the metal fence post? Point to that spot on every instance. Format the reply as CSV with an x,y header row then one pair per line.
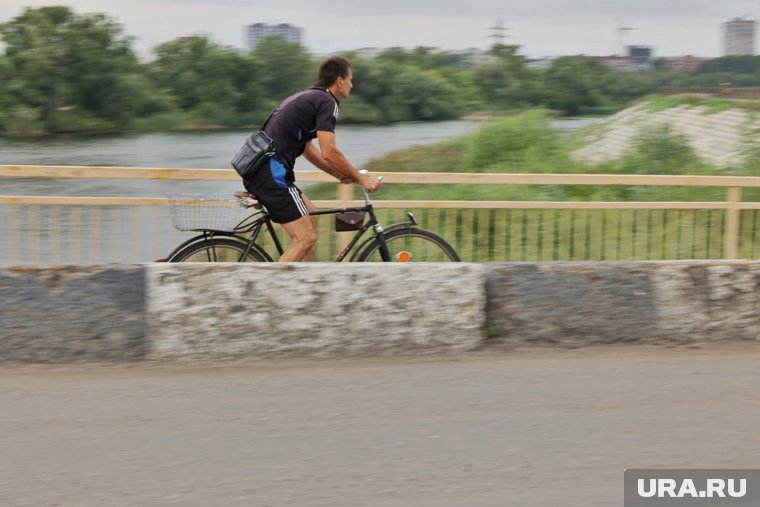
x,y
733,216
344,193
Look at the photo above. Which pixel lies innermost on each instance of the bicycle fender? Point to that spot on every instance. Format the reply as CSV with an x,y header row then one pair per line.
x,y
401,225
203,237
183,245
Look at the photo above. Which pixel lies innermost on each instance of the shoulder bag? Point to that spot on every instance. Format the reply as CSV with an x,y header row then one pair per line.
x,y
255,152
257,149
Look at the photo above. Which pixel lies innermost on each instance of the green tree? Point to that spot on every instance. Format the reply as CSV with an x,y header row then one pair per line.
x,y
423,57
738,64
504,81
7,101
282,68
572,83
200,76
425,94
68,67
620,88
402,85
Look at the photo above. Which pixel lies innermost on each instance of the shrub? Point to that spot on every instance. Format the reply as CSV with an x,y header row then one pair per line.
x,y
659,149
23,120
513,143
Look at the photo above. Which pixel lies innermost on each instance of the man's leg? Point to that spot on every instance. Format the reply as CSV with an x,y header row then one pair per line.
x,y
311,256
303,238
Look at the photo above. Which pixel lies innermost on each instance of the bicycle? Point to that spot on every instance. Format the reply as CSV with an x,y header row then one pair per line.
x,y
400,242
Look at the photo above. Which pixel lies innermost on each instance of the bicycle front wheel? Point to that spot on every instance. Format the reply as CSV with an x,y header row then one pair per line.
x,y
218,250
411,245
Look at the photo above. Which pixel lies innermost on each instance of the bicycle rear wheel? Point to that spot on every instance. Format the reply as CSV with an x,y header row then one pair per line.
x,y
411,245
218,250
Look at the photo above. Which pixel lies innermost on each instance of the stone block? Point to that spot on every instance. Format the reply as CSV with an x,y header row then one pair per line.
x,y
72,314
571,304
585,303
321,310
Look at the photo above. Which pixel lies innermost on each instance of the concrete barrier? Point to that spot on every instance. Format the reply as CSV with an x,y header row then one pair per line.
x,y
69,314
587,303
184,311
280,310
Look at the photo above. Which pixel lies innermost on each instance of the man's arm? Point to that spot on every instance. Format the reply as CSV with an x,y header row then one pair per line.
x,y
339,165
312,154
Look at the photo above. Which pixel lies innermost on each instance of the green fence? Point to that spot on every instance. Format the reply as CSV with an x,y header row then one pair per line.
x,y
81,230
38,234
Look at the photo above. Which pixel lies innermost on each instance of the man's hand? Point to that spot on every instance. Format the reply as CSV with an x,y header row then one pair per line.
x,y
370,184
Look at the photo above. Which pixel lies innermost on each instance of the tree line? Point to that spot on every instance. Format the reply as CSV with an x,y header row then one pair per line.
x,y
66,72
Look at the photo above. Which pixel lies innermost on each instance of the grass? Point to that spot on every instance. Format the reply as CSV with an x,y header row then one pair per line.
x,y
526,143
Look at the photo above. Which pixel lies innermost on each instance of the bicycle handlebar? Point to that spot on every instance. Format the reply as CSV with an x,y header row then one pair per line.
x,y
365,173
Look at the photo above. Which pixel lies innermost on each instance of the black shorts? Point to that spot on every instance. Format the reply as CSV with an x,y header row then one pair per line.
x,y
271,187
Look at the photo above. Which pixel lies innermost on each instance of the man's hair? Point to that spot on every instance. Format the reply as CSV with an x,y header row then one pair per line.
x,y
333,68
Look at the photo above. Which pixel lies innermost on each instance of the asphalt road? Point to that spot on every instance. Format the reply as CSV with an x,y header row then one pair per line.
x,y
491,429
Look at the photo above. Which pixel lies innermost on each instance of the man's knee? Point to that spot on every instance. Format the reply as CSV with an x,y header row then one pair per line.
x,y
302,233
307,239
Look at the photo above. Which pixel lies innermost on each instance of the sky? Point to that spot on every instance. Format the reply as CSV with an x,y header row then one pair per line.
x,y
542,28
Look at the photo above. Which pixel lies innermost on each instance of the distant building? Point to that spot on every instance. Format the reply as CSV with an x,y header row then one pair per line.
x,y
686,63
739,37
467,58
257,32
624,63
473,57
369,53
641,54
540,63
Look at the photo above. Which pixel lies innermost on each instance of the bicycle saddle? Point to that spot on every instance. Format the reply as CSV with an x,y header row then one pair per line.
x,y
248,200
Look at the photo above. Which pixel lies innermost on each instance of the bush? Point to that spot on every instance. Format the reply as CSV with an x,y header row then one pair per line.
x,y
659,149
513,143
71,119
23,120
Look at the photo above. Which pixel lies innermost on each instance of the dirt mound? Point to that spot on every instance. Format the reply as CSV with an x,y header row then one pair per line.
x,y
720,137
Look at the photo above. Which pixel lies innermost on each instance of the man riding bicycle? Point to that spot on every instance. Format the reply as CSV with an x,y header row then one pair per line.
x,y
307,115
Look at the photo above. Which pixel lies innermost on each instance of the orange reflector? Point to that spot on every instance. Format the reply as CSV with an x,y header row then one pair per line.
x,y
404,256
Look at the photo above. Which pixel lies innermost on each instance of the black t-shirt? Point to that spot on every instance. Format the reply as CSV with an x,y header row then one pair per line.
x,y
297,119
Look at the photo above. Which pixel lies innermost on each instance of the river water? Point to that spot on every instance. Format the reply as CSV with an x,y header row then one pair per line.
x,y
210,149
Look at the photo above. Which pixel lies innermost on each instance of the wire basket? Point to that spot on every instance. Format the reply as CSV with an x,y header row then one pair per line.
x,y
201,212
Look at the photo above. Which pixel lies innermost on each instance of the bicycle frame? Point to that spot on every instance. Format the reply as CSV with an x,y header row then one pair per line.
x,y
254,227
372,223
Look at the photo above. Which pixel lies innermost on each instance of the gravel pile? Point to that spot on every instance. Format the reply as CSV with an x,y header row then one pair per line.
x,y
718,137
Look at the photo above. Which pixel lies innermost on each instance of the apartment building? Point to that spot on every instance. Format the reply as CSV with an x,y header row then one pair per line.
x,y
739,37
259,31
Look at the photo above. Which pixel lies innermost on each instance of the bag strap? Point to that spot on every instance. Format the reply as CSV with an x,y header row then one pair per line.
x,y
274,148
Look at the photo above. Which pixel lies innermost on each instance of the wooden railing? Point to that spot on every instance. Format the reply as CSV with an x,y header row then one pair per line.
x,y
532,221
